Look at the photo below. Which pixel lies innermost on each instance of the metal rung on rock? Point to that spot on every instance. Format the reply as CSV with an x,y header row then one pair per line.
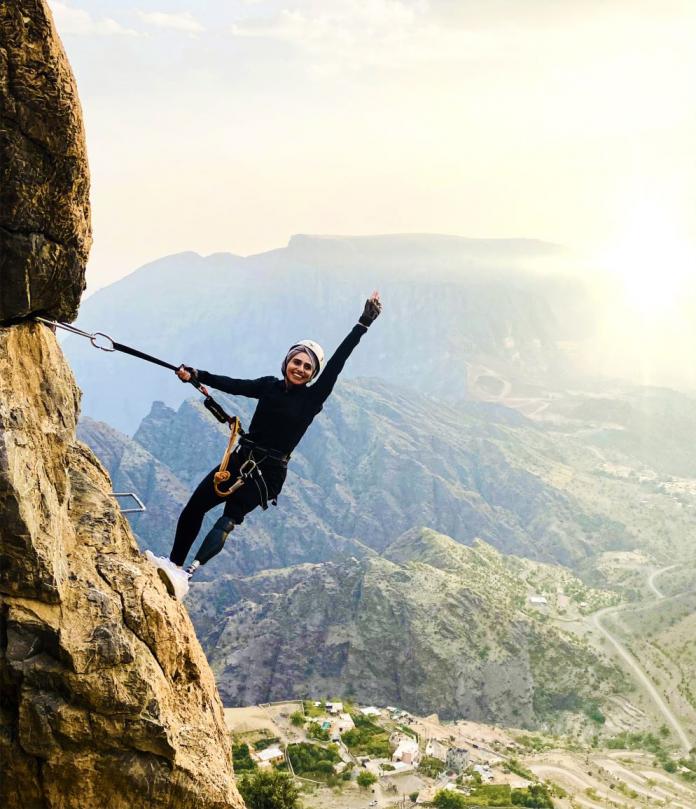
x,y
140,507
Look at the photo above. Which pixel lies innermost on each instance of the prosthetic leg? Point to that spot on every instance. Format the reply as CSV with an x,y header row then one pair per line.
x,y
213,543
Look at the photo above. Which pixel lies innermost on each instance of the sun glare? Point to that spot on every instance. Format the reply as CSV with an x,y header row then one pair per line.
x,y
653,262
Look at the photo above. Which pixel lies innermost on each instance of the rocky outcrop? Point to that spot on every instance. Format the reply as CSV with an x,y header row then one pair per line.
x,y
45,231
107,697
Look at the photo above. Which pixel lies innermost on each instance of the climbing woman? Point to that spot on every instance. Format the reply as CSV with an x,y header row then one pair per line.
x,y
258,465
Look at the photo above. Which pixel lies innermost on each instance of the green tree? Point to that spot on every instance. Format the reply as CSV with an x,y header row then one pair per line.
x,y
534,796
316,731
448,799
413,796
241,757
366,779
268,789
431,766
297,718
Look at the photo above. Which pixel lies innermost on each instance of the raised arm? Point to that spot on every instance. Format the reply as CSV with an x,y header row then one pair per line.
x,y
325,384
253,388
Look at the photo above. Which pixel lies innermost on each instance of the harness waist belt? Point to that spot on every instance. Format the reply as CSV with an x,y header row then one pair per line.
x,y
271,454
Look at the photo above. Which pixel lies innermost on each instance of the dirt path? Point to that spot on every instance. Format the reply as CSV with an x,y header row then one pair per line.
x,y
651,580
636,670
559,773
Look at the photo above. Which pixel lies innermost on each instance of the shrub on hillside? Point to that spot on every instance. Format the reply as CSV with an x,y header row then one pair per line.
x,y
449,799
312,759
268,789
241,757
366,779
534,796
431,766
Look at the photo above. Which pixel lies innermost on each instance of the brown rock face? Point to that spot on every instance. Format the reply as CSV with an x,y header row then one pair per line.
x,y
45,231
107,698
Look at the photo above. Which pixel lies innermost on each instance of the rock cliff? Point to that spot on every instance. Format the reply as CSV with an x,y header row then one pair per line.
x,y
107,699
45,232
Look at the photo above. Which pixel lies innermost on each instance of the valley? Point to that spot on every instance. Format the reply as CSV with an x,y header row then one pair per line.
x,y
479,764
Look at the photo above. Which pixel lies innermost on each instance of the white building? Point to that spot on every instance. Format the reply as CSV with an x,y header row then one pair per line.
x,y
271,755
436,749
371,711
334,707
407,751
339,726
539,601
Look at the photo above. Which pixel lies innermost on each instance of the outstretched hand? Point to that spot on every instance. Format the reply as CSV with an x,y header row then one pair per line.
x,y
185,373
373,307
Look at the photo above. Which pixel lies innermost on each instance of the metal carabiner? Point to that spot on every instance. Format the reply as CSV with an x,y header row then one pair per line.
x,y
244,471
93,340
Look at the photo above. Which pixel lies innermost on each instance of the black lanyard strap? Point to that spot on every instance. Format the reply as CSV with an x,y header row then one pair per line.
x,y
111,345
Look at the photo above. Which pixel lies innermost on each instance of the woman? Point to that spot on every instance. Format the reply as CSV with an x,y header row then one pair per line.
x,y
285,410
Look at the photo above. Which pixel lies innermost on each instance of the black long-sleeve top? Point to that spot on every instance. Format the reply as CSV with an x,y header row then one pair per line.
x,y
284,412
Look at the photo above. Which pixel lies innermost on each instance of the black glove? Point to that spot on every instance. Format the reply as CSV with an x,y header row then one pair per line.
x,y
192,371
370,313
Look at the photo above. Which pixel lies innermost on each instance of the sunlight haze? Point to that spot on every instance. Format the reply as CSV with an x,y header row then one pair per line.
x,y
231,126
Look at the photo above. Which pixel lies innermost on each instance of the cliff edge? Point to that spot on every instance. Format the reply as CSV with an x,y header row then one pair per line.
x,y
106,698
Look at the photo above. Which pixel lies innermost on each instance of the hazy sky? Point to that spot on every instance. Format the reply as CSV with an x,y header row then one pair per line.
x,y
232,124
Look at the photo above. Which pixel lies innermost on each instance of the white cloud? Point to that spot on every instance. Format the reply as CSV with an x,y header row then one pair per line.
x,y
78,22
355,33
180,21
340,19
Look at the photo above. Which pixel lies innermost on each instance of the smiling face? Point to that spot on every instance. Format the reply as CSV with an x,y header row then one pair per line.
x,y
299,369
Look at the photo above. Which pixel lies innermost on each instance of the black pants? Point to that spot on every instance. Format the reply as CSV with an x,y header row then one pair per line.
x,y
237,505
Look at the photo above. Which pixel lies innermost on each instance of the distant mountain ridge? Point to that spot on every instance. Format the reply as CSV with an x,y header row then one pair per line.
x,y
462,317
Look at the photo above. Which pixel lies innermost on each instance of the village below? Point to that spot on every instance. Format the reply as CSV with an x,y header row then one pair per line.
x,y
344,756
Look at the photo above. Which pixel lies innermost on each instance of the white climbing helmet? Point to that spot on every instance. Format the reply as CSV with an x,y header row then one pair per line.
x,y
313,348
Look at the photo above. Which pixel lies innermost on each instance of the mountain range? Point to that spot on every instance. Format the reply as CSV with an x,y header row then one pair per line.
x,y
429,625
462,317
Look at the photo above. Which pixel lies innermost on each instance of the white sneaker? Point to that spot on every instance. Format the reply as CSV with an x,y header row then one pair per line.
x,y
174,578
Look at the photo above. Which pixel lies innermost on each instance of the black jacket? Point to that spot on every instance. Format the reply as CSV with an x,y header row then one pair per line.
x,y
284,412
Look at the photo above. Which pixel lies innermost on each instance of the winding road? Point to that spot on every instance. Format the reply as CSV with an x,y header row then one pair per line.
x,y
635,668
651,580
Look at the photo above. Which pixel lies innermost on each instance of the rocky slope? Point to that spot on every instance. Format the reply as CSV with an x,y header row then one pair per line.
x,y
107,698
447,635
378,461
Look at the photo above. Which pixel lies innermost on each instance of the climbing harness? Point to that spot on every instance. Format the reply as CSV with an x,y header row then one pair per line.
x,y
249,470
111,345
